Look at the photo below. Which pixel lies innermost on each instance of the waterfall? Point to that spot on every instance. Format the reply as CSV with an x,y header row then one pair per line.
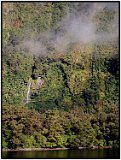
x,y
29,92
39,83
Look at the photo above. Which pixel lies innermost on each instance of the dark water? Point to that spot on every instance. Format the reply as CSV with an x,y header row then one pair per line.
x,y
86,153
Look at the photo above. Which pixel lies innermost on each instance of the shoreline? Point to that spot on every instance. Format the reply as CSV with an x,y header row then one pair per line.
x,y
47,149
34,149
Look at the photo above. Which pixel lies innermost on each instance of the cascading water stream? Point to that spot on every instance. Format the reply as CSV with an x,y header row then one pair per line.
x,y
39,83
29,92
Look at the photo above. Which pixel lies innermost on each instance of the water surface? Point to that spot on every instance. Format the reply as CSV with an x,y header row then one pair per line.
x,y
85,153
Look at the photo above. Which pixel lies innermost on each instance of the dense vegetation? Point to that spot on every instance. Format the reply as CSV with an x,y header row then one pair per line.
x,y
78,102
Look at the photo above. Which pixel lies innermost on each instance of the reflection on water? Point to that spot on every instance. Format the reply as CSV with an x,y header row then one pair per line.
x,y
86,153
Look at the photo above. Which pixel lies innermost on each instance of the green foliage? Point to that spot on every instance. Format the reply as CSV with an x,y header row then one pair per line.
x,y
59,10
26,128
4,143
28,141
40,140
102,18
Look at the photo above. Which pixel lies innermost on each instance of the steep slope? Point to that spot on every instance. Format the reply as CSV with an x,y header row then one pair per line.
x,y
74,48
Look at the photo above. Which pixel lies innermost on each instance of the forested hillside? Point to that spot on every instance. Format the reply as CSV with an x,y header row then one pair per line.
x,y
73,47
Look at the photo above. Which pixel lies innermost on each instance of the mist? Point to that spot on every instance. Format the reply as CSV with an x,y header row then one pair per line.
x,y
79,26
